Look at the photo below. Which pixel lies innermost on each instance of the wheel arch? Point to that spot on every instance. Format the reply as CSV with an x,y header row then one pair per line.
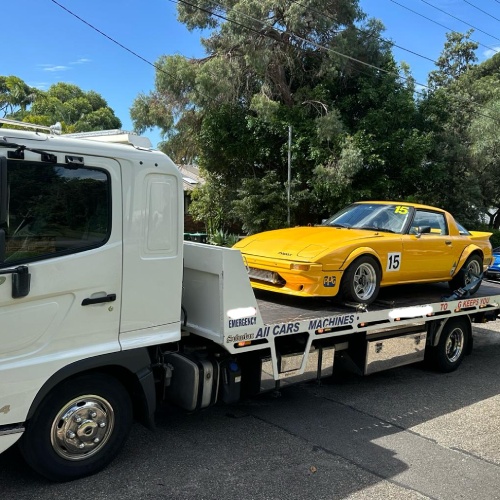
x,y
361,252
131,368
436,329
467,252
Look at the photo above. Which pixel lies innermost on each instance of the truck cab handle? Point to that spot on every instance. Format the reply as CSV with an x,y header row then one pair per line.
x,y
111,297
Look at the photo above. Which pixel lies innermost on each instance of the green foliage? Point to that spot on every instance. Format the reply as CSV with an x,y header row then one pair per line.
x,y
78,111
223,239
457,58
211,203
495,238
15,94
357,132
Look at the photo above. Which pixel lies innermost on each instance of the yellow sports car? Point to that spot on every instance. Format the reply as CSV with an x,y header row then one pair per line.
x,y
366,246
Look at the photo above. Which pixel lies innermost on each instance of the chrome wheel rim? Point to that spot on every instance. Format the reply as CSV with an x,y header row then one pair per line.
x,y
454,345
82,427
473,270
365,282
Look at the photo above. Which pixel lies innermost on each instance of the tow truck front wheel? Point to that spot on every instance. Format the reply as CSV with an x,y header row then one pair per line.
x,y
78,429
453,343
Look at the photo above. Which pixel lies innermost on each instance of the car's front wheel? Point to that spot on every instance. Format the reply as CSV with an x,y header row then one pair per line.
x,y
361,281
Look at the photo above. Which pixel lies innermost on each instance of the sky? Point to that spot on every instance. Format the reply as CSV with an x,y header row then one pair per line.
x,y
44,44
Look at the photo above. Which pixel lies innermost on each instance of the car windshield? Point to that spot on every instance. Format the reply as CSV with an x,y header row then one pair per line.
x,y
372,216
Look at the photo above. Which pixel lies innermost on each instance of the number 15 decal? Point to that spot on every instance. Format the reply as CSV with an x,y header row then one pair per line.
x,y
393,261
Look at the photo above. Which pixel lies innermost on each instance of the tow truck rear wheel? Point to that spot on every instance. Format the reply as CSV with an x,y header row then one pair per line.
x,y
453,343
78,428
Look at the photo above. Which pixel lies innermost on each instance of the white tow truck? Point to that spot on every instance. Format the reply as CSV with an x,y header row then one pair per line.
x,y
105,310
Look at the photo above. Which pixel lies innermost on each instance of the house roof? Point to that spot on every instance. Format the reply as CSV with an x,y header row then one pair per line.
x,y
190,176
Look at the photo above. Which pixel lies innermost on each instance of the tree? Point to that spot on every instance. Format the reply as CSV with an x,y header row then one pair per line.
x,y
15,95
77,110
272,64
485,140
445,113
457,58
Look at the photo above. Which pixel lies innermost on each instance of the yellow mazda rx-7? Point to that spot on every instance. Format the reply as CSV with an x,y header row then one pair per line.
x,y
366,246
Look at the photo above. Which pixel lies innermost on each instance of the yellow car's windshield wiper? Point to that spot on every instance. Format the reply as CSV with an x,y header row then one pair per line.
x,y
375,228
336,224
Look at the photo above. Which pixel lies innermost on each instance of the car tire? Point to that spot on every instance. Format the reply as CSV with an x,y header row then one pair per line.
x,y
453,344
78,428
361,280
474,264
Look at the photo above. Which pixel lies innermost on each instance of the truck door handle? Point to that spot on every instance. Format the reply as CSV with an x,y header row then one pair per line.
x,y
448,242
111,297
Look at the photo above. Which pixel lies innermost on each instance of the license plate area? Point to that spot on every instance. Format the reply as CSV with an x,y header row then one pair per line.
x,y
267,276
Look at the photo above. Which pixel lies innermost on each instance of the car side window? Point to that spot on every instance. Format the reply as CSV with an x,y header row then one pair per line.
x,y
54,210
426,222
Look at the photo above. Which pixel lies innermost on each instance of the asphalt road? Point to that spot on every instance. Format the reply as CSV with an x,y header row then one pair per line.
x,y
407,433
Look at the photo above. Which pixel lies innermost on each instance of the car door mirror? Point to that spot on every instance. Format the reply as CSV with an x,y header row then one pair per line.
x,y
422,230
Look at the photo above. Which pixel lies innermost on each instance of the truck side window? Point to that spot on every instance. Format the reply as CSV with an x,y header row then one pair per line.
x,y
54,210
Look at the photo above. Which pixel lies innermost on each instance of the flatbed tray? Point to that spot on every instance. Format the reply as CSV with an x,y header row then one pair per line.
x,y
282,308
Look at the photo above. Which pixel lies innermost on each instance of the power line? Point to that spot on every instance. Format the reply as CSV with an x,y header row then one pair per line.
x,y
292,35
442,25
155,66
369,34
105,35
461,20
297,37
249,29
481,10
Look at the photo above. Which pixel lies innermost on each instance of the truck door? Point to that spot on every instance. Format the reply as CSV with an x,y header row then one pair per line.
x,y
61,224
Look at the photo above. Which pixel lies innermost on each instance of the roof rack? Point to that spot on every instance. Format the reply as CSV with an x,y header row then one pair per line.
x,y
115,136
55,129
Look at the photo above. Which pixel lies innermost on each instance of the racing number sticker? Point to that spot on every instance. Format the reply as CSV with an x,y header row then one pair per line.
x,y
393,261
401,209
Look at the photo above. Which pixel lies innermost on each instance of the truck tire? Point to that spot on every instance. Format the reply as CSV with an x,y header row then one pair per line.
x,y
474,265
78,428
361,280
449,353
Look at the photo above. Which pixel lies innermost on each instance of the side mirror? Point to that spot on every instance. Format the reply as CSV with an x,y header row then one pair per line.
x,y
21,281
423,230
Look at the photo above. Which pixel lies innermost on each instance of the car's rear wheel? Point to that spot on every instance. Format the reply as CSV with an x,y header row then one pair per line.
x,y
473,267
361,281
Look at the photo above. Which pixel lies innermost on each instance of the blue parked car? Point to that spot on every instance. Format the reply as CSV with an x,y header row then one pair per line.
x,y
493,272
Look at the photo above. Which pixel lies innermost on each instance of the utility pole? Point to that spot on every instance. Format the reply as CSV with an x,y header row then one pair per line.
x,y
289,171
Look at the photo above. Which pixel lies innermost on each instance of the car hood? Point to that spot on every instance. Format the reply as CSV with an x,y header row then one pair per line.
x,y
304,244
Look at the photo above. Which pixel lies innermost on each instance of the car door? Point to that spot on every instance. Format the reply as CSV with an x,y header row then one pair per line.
x,y
62,226
429,252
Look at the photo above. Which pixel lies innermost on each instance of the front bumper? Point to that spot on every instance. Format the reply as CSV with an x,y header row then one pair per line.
x,y
282,277
9,437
